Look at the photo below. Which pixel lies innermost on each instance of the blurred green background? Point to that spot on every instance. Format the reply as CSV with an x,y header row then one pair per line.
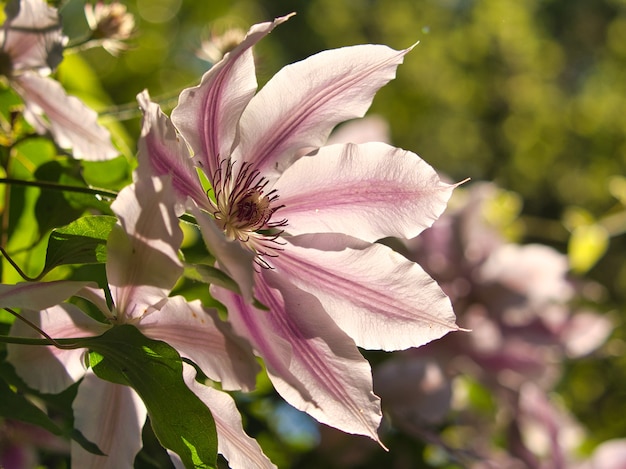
x,y
530,94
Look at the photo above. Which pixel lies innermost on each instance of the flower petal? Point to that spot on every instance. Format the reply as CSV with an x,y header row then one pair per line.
x,y
378,297
142,250
164,151
207,114
71,123
32,36
236,261
38,295
111,416
313,364
369,191
302,103
47,368
241,451
197,333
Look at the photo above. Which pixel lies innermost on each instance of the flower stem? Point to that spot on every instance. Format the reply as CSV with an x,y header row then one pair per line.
x,y
59,187
64,344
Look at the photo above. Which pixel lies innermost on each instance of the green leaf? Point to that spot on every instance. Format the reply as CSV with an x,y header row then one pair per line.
x,y
17,407
180,420
81,242
587,245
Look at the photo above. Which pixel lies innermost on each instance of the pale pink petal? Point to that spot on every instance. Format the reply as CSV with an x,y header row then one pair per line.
x,y
611,454
32,36
142,251
369,191
98,298
378,297
585,332
302,103
207,114
72,124
241,451
235,260
111,416
312,363
38,295
47,368
164,151
371,128
197,333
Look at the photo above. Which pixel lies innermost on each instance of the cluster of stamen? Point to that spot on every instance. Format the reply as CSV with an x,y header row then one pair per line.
x,y
244,210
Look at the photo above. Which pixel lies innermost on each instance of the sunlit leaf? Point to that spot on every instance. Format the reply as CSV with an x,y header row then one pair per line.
x,y
81,242
587,245
154,370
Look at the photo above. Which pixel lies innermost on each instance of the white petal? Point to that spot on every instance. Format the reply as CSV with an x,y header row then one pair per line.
x,y
241,451
207,114
72,124
142,250
198,334
163,151
38,295
111,416
32,36
302,103
312,363
369,191
378,297
47,368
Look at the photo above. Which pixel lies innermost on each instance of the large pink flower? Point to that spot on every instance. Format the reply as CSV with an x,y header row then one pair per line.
x,y
142,267
308,215
31,46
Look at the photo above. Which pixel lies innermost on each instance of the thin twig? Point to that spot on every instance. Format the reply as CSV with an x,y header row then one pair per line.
x,y
59,187
38,329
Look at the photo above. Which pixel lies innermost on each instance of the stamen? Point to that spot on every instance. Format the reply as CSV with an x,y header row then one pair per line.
x,y
244,211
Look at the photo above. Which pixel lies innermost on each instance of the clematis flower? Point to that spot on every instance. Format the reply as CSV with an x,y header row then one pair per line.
x,y
31,47
110,26
142,267
308,215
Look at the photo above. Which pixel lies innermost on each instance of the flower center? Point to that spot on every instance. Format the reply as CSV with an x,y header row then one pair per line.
x,y
244,210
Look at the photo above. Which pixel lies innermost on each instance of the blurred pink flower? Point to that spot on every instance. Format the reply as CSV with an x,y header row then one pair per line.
x,y
31,47
308,216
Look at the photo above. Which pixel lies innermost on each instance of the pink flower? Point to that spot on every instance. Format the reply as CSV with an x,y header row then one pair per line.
x,y
142,267
31,46
308,215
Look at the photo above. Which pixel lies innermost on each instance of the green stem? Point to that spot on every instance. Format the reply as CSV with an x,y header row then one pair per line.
x,y
20,272
59,187
65,344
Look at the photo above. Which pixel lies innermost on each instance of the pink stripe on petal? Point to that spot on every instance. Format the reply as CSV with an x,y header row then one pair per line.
x,y
304,101
369,191
378,297
207,115
163,151
312,363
